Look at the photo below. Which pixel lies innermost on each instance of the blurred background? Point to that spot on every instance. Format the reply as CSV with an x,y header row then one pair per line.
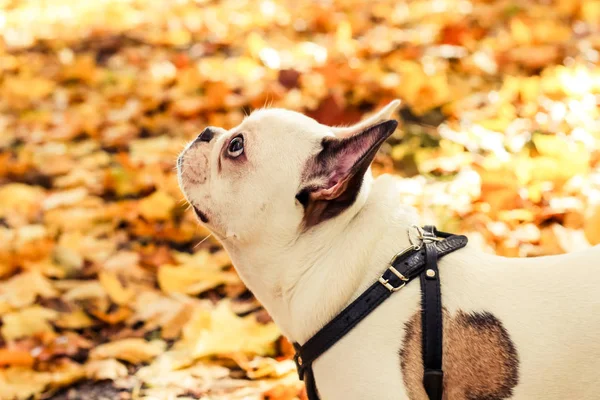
x,y
106,288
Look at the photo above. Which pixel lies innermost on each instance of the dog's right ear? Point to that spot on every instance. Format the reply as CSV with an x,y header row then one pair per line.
x,y
334,176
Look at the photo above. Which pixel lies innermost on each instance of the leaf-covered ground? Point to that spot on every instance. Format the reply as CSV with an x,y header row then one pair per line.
x,y
106,288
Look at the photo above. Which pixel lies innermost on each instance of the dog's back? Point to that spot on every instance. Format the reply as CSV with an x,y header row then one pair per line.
x,y
542,314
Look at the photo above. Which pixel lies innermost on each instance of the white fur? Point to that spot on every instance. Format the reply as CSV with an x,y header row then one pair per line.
x,y
550,306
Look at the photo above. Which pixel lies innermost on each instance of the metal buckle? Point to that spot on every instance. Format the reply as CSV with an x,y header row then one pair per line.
x,y
386,282
422,236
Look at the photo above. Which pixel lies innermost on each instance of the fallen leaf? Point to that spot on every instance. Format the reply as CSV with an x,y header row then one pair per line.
x,y
199,273
191,279
20,199
132,350
172,328
221,331
157,206
114,288
15,357
263,367
21,383
77,319
113,317
27,322
591,227
108,368
23,289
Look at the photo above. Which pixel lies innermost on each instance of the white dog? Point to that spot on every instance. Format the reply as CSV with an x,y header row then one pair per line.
x,y
308,229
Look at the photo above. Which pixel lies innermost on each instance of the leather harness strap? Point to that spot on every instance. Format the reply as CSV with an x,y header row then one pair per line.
x,y
431,309
404,267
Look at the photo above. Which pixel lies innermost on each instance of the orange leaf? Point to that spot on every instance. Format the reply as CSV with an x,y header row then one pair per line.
x,y
15,357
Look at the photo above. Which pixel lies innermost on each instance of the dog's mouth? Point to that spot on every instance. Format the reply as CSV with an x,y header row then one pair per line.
x,y
200,214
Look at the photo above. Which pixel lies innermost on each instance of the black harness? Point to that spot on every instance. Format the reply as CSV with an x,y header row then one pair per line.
x,y
418,260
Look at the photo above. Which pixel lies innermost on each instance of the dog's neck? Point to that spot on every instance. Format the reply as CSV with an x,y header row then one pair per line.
x,y
304,285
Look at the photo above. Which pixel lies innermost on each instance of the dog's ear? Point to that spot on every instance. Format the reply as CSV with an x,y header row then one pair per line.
x,y
384,114
333,177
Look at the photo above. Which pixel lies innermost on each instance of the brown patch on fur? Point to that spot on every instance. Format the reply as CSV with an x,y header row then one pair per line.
x,y
480,361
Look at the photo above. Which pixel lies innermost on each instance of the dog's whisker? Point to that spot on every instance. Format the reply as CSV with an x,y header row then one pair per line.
x,y
203,240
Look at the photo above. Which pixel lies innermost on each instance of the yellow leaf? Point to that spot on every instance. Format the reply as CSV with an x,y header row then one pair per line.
x,y
115,290
22,289
170,374
79,247
133,350
19,199
27,322
560,159
212,333
420,90
549,243
80,290
74,320
521,31
190,279
590,11
29,88
221,331
517,214
157,206
200,272
156,309
19,383
559,170
83,68
4,307
105,369
591,227
65,198
173,327
263,367
47,267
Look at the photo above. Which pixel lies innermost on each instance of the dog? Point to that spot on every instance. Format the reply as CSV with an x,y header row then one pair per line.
x,y
308,229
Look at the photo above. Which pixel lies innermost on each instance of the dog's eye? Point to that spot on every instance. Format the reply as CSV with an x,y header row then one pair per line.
x,y
236,146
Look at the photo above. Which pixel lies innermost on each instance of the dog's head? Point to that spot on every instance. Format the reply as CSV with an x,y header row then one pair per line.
x,y
279,173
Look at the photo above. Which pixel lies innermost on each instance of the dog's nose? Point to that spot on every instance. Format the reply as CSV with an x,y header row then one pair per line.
x,y
206,135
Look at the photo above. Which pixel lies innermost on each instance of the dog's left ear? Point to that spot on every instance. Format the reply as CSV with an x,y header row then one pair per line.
x,y
334,176
385,113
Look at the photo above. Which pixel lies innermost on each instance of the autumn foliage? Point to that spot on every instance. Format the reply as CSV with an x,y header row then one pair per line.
x,y
107,286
